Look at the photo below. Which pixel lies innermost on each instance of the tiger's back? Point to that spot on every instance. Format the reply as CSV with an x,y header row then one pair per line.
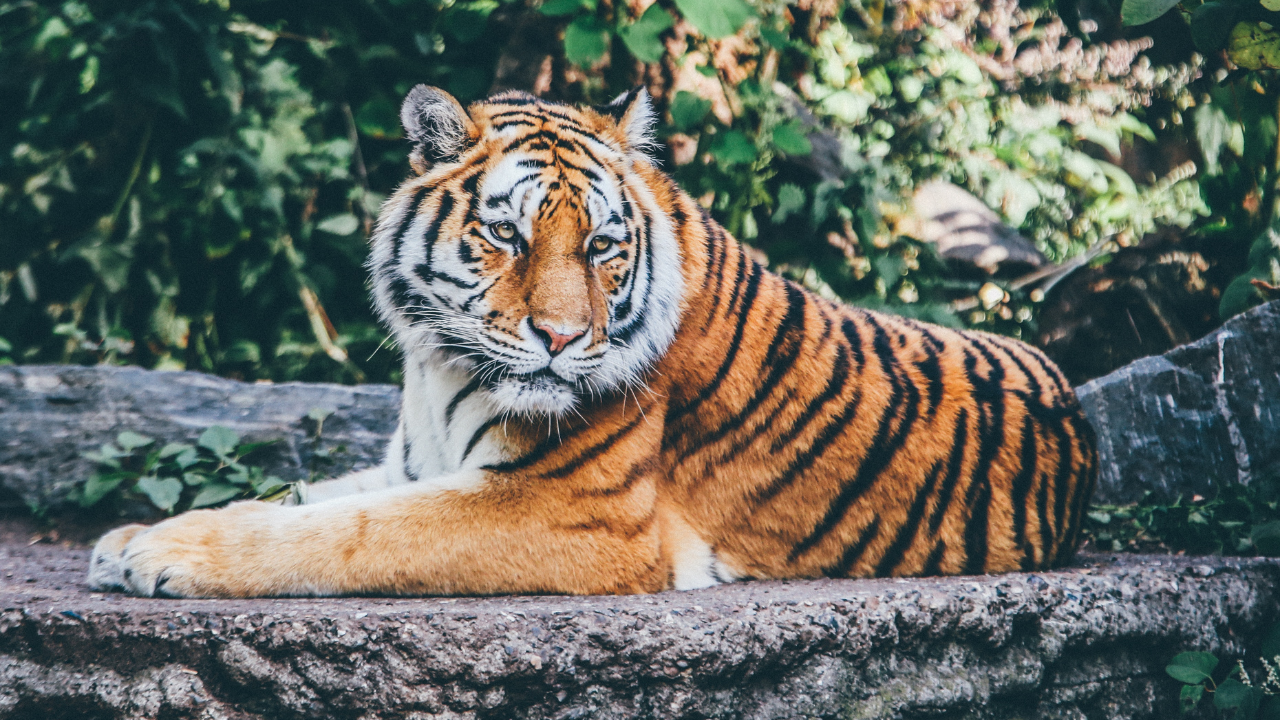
x,y
816,439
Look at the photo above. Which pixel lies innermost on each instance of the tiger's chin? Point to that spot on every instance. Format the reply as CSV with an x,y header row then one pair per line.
x,y
534,395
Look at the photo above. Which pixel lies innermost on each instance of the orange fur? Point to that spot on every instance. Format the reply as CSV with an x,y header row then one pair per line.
x,y
780,434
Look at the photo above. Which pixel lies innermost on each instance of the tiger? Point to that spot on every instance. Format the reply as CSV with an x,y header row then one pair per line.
x,y
604,392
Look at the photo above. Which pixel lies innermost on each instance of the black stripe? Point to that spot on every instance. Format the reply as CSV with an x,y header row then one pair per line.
x,y
461,395
744,312
910,527
596,450
989,393
833,388
423,269
854,552
955,465
485,427
933,563
784,349
1021,488
410,214
408,471
882,448
746,439
931,368
633,474
807,457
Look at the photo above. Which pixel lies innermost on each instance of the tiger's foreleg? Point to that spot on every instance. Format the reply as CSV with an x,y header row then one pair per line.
x,y
499,538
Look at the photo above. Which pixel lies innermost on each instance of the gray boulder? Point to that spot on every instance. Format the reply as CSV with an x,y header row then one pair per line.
x,y
1201,414
50,416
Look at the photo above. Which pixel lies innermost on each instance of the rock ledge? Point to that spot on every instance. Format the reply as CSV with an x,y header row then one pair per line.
x,y
1087,641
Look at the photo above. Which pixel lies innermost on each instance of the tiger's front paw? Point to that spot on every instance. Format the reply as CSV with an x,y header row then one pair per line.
x,y
184,556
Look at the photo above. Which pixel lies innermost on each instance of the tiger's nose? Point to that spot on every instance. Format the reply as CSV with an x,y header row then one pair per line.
x,y
554,339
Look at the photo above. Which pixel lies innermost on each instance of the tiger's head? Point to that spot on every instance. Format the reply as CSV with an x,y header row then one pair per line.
x,y
529,247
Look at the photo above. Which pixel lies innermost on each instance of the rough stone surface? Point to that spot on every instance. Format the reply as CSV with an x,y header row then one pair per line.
x,y
1201,414
1089,641
51,415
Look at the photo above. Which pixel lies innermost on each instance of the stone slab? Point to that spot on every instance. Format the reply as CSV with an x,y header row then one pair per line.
x,y
1202,414
51,415
1088,641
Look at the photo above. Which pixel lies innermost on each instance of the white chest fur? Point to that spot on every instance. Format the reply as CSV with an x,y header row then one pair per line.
x,y
448,422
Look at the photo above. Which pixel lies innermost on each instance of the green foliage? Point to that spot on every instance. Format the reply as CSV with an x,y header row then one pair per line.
x,y
188,184
1235,126
1239,520
178,476
1236,694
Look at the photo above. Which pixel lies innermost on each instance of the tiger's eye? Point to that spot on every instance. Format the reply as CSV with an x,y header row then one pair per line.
x,y
504,230
600,243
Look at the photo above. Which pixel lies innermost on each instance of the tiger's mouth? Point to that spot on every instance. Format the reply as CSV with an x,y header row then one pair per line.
x,y
539,392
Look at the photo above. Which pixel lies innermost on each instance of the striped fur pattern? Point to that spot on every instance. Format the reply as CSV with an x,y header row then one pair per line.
x,y
604,393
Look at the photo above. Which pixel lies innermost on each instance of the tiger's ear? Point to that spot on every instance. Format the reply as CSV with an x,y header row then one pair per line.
x,y
437,125
634,112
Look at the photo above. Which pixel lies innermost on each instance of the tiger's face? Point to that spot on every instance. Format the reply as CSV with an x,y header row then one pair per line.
x,y
529,249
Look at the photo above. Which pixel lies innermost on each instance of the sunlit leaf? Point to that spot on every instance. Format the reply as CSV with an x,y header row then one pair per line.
x,y
219,440
1192,667
215,493
586,40
343,224
688,110
642,37
130,440
164,493
731,147
790,138
716,18
1141,12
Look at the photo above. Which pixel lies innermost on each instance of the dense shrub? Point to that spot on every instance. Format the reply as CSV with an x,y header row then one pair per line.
x,y
188,184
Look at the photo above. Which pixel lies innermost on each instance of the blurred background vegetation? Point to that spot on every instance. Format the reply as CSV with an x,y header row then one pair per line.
x,y
188,184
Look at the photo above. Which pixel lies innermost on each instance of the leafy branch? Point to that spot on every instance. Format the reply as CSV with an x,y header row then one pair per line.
x,y
179,476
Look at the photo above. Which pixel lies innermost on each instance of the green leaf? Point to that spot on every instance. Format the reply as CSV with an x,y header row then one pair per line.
x,y
187,458
790,139
163,492
1254,46
250,448
219,440
196,479
1192,667
777,39
732,148
1141,12
379,118
130,440
791,200
585,40
716,18
688,110
1211,25
1190,695
642,36
1266,538
171,449
99,486
214,493
1235,695
467,21
556,8
268,485
343,224
1270,708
